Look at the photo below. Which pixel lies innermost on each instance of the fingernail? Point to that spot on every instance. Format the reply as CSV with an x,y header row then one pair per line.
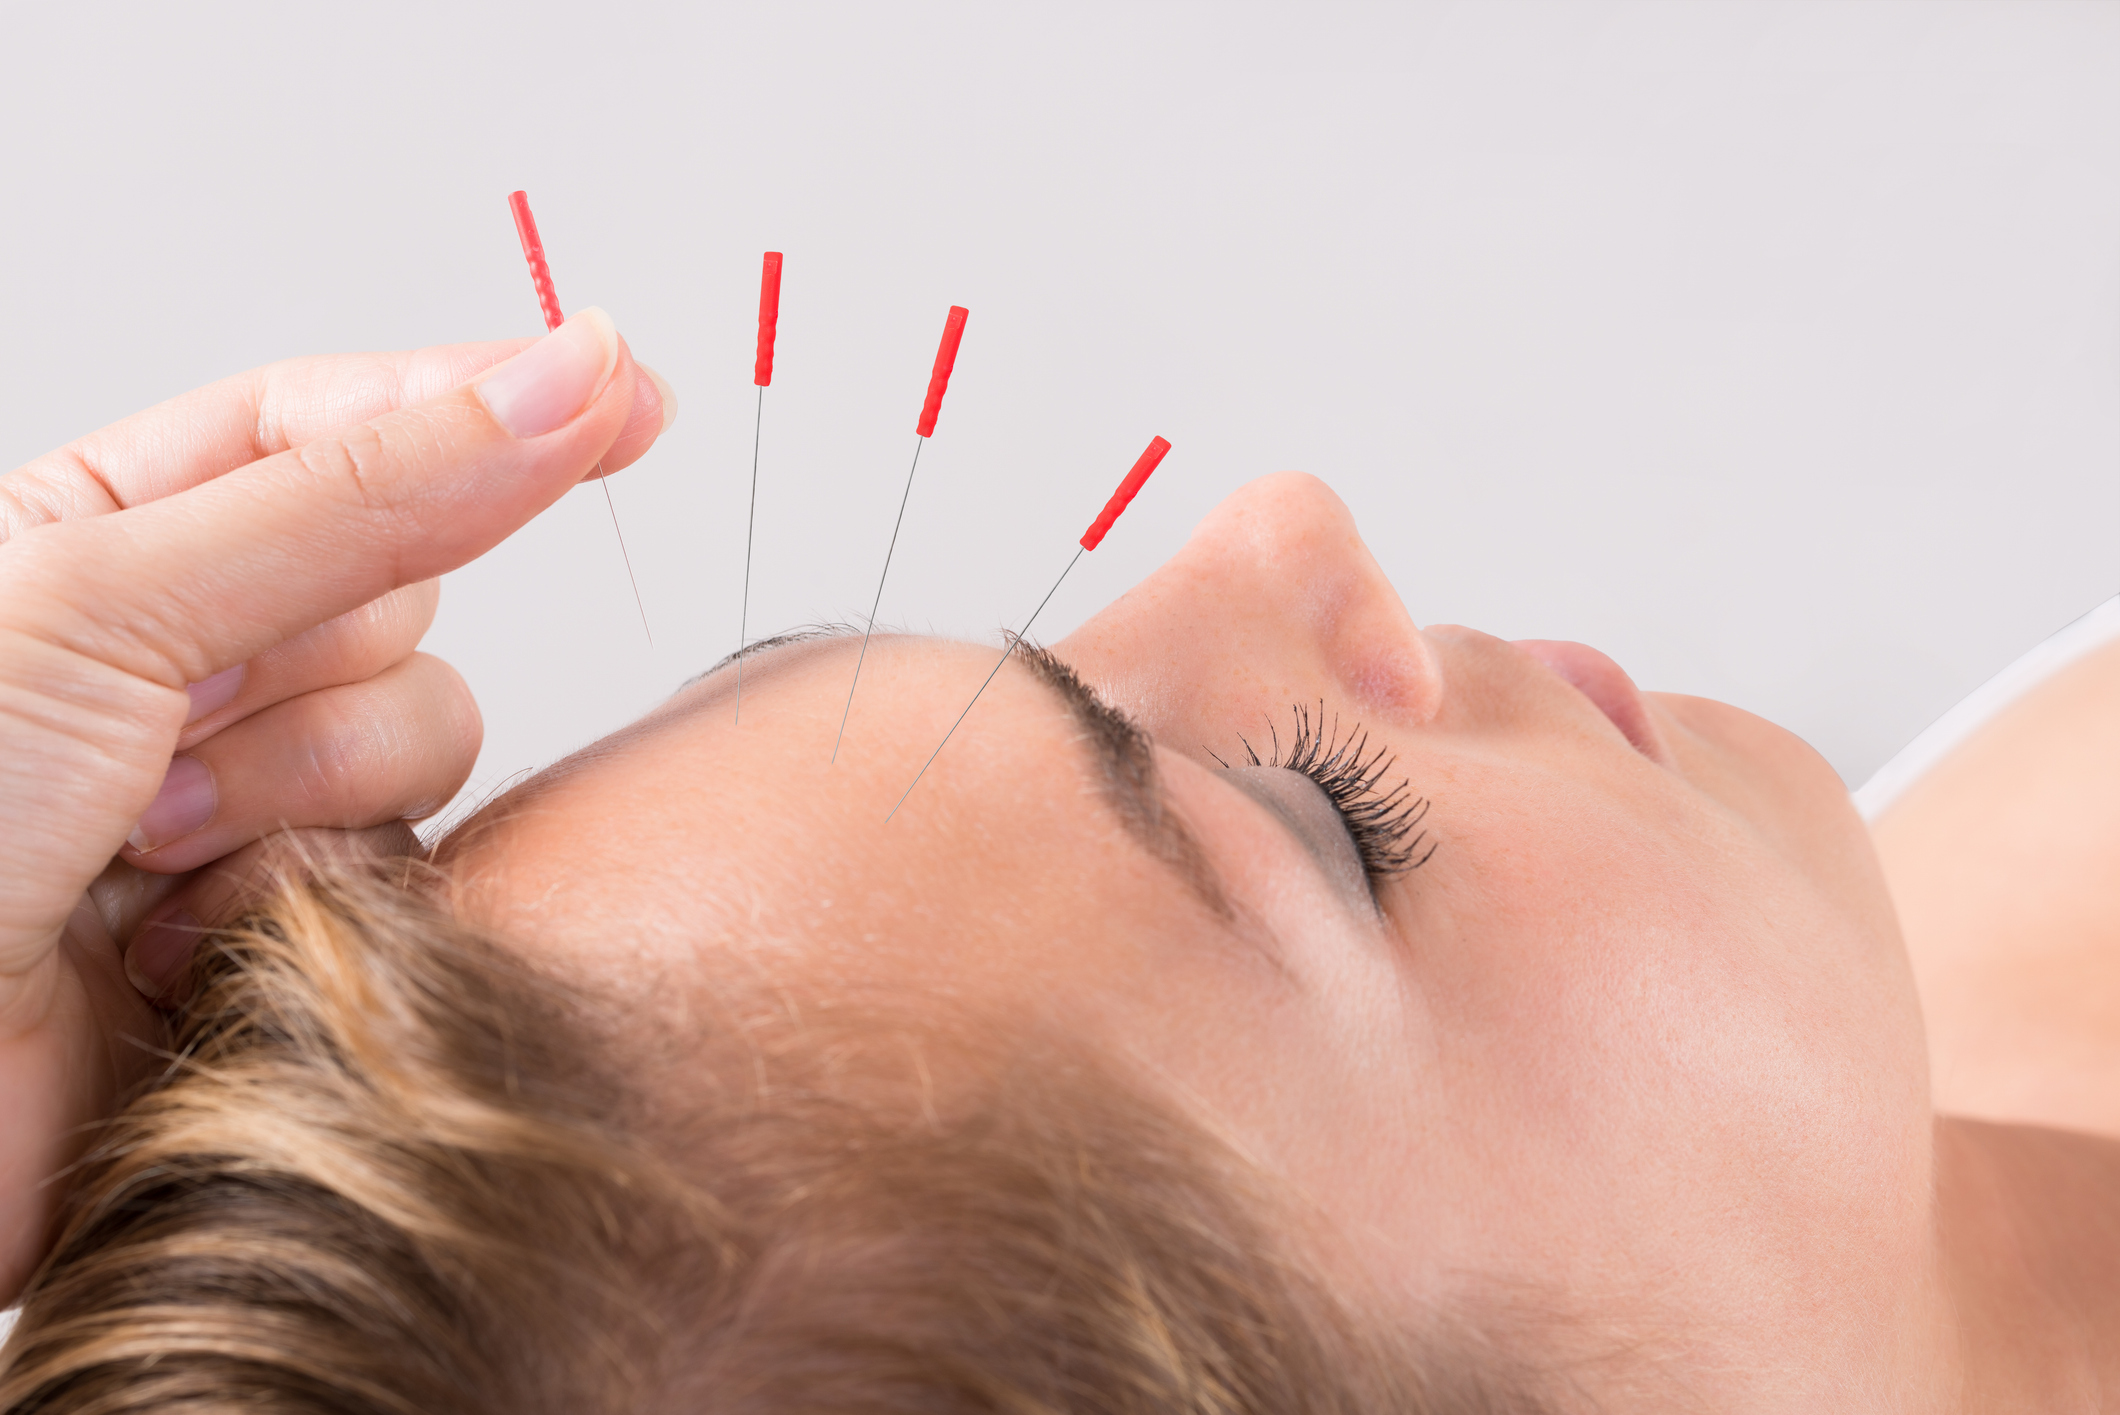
x,y
549,383
160,952
669,399
184,803
217,691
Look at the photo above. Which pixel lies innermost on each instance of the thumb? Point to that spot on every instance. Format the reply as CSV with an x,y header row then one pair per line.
x,y
218,573
104,621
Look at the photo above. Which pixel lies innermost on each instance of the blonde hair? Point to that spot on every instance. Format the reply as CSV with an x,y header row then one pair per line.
x,y
386,1173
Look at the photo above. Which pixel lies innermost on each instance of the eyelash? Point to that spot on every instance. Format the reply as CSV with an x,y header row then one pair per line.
x,y
1384,819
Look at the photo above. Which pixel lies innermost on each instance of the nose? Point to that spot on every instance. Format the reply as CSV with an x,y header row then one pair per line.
x,y
1274,601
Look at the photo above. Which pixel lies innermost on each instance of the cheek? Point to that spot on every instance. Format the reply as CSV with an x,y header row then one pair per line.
x,y
1645,1021
1326,1081
1636,927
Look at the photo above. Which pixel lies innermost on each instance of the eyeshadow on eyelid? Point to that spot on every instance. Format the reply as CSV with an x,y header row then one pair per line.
x,y
1307,813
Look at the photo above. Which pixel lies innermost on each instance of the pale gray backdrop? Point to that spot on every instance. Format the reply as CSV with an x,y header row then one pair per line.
x,y
1773,348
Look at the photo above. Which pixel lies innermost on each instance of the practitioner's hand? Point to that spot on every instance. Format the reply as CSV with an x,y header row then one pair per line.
x,y
208,615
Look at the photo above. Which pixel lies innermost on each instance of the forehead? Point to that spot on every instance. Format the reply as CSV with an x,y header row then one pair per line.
x,y
692,839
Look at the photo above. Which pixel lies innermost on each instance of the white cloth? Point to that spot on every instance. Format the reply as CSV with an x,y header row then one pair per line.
x,y
2094,630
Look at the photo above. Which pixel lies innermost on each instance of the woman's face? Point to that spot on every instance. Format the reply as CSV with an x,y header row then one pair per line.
x,y
1637,1040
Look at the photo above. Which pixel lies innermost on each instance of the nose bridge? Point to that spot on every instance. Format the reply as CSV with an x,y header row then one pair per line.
x,y
1287,522
1281,555
1273,596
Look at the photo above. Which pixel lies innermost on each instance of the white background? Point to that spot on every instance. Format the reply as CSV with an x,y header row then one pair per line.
x,y
1773,348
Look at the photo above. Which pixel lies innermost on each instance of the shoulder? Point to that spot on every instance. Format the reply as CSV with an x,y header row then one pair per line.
x,y
2003,856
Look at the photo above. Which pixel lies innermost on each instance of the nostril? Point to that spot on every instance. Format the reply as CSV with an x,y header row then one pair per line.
x,y
1605,684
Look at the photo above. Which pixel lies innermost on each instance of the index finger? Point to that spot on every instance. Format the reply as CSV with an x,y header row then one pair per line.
x,y
177,589
199,435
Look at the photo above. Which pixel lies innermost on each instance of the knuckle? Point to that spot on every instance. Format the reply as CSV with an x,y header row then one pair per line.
x,y
59,486
20,507
352,466
382,472
377,749
289,396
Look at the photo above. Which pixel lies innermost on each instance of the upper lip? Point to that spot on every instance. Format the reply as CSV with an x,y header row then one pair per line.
x,y
1606,685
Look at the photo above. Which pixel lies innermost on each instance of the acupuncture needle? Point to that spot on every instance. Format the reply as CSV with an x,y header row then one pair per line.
x,y
938,384
1129,486
548,301
762,375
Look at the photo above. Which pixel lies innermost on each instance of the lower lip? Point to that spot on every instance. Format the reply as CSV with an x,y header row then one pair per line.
x,y
1605,684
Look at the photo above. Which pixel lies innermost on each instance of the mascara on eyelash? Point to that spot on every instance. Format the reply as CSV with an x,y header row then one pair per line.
x,y
1386,823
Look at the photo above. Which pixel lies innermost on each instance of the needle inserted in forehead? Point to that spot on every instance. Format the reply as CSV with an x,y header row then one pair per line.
x,y
762,375
1129,487
548,302
938,384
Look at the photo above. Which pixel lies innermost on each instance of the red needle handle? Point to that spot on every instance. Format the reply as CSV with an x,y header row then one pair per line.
x,y
1128,489
945,360
534,252
768,318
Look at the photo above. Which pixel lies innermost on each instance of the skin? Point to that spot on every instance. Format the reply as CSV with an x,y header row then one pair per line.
x,y
1632,1069
237,579
2002,859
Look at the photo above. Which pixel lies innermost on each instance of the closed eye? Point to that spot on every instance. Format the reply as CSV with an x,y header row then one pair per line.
x,y
1384,817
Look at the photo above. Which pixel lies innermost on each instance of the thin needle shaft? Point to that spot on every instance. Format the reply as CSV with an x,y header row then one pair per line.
x,y
743,624
548,302
1013,641
605,482
922,442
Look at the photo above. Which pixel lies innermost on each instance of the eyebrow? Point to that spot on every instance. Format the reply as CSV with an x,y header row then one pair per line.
x,y
1124,755
1126,760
